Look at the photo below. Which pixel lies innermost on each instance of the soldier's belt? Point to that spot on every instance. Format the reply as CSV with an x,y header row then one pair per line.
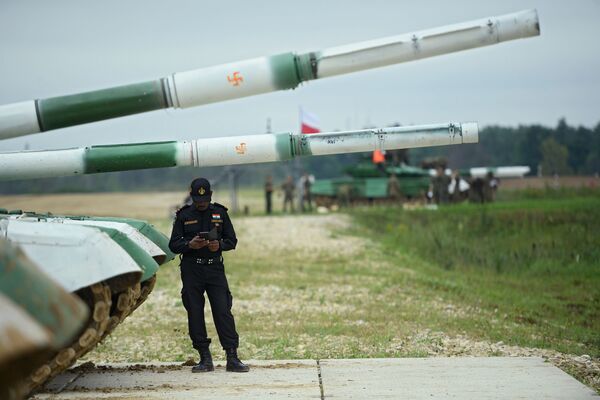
x,y
209,261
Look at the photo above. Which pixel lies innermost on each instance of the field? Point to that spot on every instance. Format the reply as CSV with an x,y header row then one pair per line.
x,y
152,205
520,277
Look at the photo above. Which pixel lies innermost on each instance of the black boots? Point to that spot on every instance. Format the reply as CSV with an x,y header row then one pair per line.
x,y
233,362
206,363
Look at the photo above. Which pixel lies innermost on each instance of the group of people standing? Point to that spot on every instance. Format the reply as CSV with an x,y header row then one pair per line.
x,y
455,189
292,191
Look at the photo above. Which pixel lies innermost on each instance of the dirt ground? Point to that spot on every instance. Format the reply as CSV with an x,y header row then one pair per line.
x,y
134,205
143,205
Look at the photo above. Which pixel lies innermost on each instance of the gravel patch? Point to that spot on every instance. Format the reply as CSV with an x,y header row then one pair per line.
x,y
309,238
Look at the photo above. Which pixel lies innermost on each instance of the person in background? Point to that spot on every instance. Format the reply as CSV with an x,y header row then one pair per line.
x,y
494,184
288,193
440,184
306,181
489,187
378,158
476,190
393,187
300,193
269,194
458,188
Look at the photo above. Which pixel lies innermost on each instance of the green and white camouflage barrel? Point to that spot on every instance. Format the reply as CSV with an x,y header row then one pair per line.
x,y
231,150
258,75
510,171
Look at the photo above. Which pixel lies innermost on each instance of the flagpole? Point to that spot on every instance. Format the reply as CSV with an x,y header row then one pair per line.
x,y
296,164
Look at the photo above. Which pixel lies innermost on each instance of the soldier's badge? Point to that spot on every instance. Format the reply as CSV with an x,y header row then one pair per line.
x,y
193,221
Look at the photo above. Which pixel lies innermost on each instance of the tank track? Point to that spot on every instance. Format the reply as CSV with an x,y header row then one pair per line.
x,y
127,302
108,310
98,299
122,306
147,287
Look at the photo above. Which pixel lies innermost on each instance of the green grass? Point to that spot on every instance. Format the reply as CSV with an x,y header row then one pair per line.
x,y
338,301
534,264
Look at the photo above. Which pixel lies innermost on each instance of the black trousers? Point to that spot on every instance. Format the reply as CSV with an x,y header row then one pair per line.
x,y
211,279
268,197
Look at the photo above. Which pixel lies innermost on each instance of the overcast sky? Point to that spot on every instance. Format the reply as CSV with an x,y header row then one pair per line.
x,y
51,48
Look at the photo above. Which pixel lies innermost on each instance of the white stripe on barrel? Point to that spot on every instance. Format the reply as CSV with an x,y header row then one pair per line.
x,y
232,150
427,43
221,82
18,119
41,164
392,138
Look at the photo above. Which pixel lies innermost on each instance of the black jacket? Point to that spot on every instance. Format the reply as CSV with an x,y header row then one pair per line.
x,y
189,221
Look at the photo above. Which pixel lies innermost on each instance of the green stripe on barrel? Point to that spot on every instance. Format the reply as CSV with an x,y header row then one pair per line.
x,y
124,157
283,147
283,68
82,108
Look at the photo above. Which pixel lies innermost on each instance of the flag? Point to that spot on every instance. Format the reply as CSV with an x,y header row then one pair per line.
x,y
309,122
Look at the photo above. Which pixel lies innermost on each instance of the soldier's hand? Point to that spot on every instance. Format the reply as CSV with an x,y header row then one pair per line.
x,y
213,245
198,243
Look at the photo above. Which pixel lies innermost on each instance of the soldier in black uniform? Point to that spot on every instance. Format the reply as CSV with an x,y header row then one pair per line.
x,y
202,270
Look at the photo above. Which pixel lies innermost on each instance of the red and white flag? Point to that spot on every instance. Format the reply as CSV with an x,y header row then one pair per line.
x,y
309,122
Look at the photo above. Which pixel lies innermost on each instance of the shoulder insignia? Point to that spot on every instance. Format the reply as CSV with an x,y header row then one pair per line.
x,y
179,210
220,205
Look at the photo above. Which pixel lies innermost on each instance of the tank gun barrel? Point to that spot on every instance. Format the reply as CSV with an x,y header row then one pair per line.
x,y
512,171
258,75
227,150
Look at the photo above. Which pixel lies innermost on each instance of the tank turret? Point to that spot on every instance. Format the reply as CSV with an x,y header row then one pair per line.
x,y
258,75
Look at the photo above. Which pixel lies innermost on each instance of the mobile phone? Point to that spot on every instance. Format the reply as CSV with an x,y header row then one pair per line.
x,y
211,235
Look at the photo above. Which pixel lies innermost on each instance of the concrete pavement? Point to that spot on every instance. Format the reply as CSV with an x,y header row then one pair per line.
x,y
390,378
